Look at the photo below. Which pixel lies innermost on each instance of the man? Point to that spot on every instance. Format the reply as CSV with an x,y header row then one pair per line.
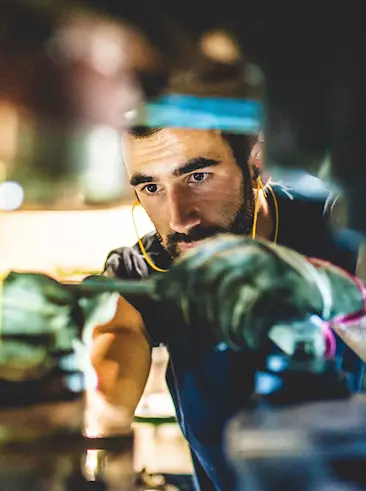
x,y
194,184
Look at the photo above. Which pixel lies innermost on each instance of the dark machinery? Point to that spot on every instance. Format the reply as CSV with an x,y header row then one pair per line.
x,y
305,430
293,348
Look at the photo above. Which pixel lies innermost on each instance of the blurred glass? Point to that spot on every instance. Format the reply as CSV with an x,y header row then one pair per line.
x,y
312,447
67,82
61,117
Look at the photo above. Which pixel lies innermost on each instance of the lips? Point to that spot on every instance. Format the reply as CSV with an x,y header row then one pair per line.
x,y
183,246
187,246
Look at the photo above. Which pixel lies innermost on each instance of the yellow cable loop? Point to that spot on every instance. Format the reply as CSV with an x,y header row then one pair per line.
x,y
277,212
142,248
256,208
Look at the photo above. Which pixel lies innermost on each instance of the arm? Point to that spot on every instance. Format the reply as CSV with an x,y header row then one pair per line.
x,y
121,357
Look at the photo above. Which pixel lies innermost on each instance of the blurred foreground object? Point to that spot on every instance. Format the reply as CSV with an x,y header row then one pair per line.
x,y
40,362
66,83
313,447
231,290
242,288
303,430
43,379
42,387
230,293
49,465
72,75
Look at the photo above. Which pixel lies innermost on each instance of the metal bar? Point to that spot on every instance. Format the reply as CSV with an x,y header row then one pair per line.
x,y
123,287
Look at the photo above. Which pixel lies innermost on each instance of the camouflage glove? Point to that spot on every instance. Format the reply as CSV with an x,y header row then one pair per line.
x,y
42,319
235,289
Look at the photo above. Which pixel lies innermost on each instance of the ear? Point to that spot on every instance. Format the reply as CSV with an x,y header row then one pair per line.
x,y
254,162
255,158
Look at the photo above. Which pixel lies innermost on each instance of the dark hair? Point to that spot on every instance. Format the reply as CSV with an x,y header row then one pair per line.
x,y
241,146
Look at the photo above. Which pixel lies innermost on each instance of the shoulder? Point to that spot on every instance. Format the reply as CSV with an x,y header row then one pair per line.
x,y
311,225
130,263
300,215
313,201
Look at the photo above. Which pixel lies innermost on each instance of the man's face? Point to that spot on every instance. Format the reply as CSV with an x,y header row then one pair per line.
x,y
190,186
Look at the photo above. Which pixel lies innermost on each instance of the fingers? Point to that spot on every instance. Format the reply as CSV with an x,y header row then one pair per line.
x,y
233,289
23,284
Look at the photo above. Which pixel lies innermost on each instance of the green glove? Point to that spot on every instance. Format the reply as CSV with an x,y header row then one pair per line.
x,y
42,318
233,290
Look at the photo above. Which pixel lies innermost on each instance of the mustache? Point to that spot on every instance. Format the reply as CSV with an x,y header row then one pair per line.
x,y
196,234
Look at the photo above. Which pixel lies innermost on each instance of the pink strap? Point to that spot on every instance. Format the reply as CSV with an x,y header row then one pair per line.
x,y
343,320
330,341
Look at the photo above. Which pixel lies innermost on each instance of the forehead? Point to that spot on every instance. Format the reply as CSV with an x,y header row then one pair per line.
x,y
168,148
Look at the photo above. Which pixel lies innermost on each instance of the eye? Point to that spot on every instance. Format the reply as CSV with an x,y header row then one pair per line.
x,y
198,176
150,189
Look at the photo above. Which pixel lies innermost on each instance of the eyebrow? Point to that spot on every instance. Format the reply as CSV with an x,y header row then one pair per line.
x,y
138,178
195,164
191,165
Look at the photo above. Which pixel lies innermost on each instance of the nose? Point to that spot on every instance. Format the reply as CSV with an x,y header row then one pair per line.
x,y
184,214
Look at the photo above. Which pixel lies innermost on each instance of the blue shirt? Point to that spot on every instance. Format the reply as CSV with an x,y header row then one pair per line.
x,y
209,387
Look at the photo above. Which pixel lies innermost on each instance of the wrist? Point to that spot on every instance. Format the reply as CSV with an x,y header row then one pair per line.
x,y
104,417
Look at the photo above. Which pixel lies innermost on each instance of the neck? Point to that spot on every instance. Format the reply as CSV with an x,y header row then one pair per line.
x,y
265,222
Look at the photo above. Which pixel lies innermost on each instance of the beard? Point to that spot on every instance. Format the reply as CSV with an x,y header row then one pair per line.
x,y
242,224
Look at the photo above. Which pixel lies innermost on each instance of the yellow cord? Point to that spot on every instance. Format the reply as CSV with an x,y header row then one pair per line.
x,y
256,208
142,248
254,229
277,212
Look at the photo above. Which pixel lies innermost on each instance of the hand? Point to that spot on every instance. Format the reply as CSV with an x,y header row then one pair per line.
x,y
235,289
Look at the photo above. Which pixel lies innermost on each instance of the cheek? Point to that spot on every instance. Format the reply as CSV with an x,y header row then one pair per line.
x,y
157,213
231,206
222,201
